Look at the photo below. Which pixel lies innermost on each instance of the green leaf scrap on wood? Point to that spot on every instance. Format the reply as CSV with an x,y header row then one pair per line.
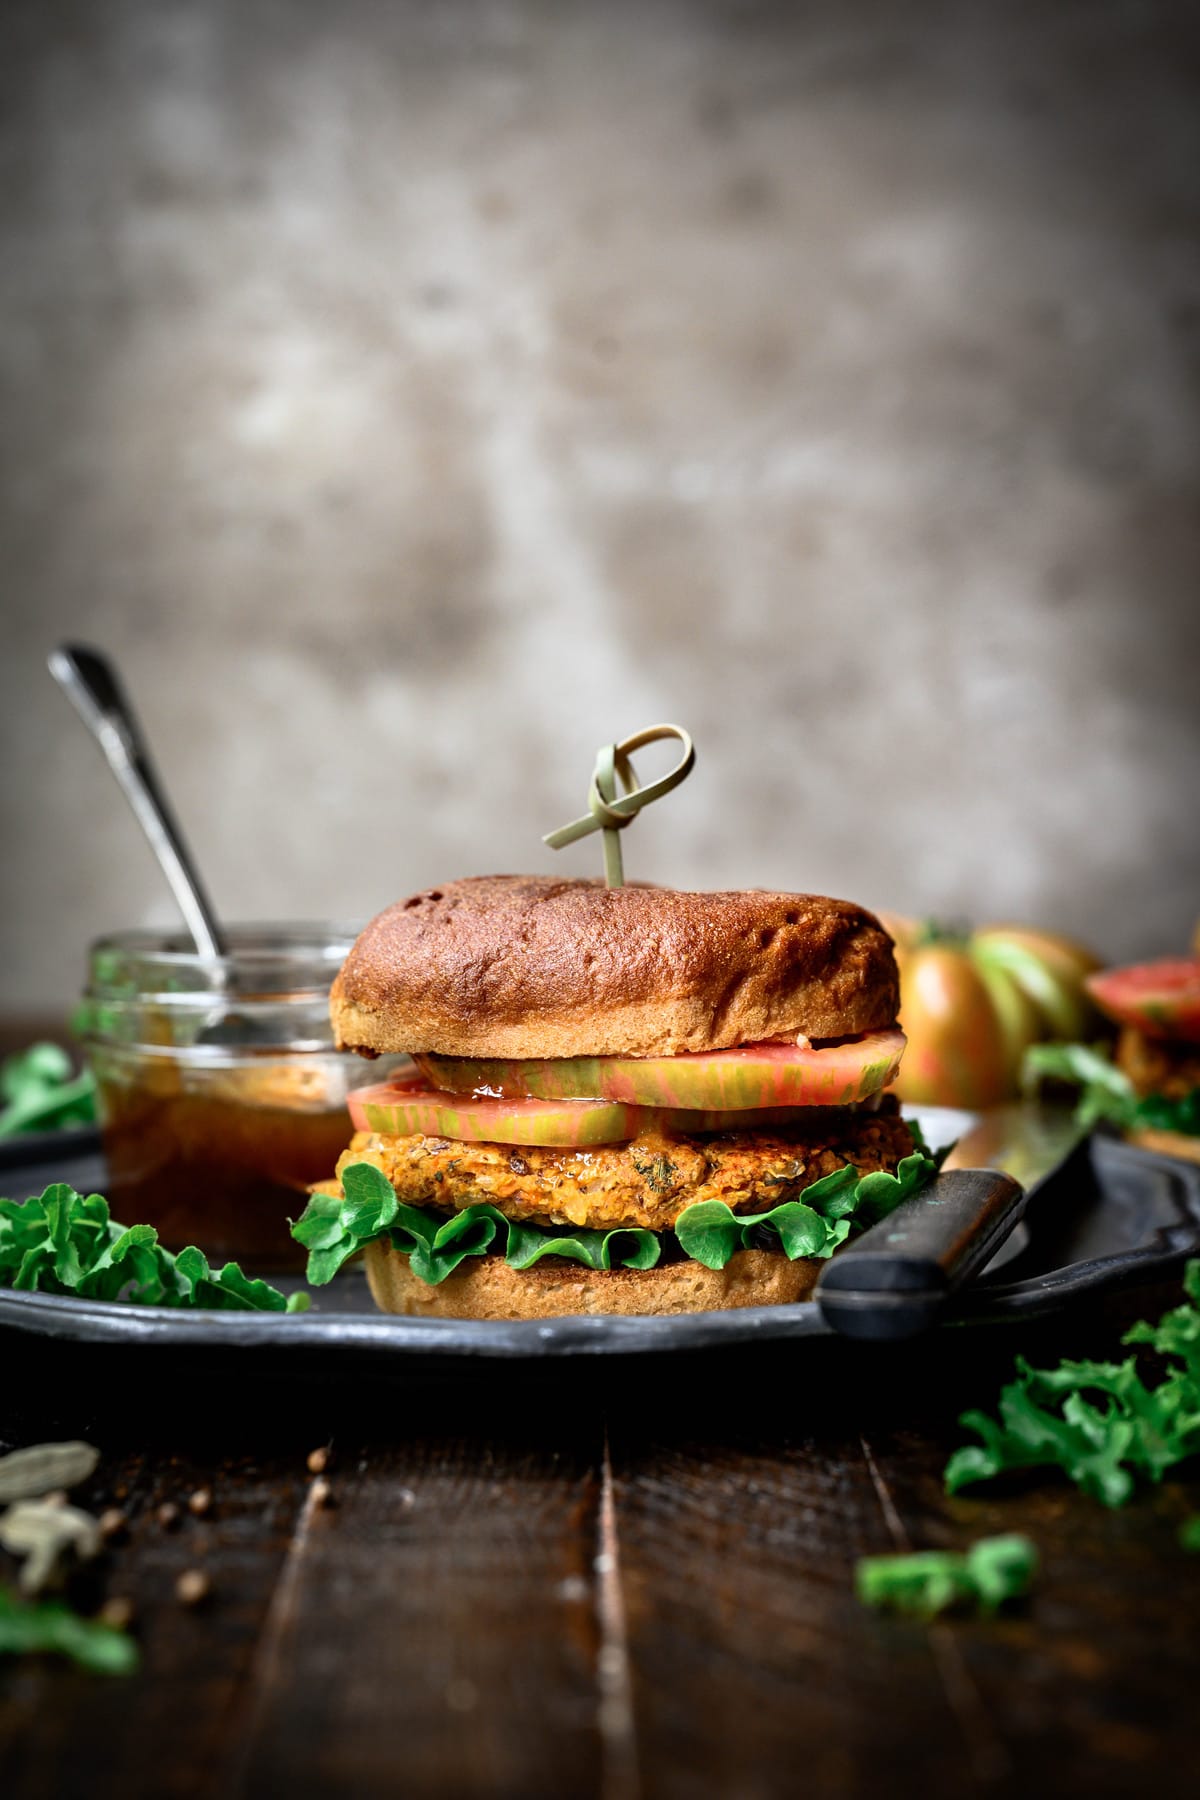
x,y
927,1582
51,1625
1102,1423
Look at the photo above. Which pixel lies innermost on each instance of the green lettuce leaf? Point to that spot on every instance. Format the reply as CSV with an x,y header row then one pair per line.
x,y
51,1625
814,1225
1101,1423
40,1093
333,1230
927,1582
435,1246
64,1242
1161,1113
1107,1096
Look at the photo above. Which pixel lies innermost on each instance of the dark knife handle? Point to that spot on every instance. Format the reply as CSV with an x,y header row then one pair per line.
x,y
894,1280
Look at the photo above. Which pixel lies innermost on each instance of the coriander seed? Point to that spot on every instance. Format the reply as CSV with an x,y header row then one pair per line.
x,y
118,1611
193,1587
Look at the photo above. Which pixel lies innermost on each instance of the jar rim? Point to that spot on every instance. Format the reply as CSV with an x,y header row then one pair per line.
x,y
174,948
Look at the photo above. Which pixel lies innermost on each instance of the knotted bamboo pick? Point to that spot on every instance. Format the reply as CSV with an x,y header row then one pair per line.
x,y
610,812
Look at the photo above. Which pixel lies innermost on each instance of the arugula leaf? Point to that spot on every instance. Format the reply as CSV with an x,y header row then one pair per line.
x,y
1097,1421
1107,1095
41,1094
333,1229
927,1582
52,1625
63,1242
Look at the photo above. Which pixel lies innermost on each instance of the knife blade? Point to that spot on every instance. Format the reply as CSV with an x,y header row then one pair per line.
x,y
896,1279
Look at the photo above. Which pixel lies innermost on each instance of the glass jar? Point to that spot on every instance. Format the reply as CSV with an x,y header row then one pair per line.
x,y
220,1092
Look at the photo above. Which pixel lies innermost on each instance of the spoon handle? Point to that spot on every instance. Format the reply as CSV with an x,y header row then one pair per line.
x,y
90,683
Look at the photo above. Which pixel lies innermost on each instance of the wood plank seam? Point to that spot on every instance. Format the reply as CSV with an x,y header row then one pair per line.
x,y
267,1665
989,1759
620,1778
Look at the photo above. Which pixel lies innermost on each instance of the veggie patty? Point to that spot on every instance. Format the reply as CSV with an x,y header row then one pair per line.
x,y
647,1181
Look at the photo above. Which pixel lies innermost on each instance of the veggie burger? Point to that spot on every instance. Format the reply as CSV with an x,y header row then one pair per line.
x,y
1157,1007
1148,1086
626,1100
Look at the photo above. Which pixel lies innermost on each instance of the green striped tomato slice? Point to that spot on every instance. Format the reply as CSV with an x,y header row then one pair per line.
x,y
407,1108
752,1077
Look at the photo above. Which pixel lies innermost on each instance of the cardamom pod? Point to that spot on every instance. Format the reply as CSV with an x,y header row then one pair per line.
x,y
39,1468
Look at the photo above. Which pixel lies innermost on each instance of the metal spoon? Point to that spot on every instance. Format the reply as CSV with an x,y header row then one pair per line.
x,y
90,683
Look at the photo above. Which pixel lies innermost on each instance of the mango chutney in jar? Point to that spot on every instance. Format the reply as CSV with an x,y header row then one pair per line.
x,y
221,1094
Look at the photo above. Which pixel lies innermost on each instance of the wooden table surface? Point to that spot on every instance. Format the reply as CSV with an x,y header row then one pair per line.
x,y
607,1580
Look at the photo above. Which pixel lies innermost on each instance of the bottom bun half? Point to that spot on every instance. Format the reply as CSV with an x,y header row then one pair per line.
x,y
486,1287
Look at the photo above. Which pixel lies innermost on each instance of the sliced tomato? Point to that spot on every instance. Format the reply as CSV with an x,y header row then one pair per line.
x,y
749,1078
406,1108
1160,998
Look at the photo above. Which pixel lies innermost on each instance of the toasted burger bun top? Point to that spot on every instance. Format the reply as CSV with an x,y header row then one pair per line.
x,y
528,966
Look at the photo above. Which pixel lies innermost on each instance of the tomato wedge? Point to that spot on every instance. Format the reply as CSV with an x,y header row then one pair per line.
x,y
1160,998
407,1107
748,1078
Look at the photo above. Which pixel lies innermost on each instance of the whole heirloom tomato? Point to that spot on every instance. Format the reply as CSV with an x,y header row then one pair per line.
x,y
971,1002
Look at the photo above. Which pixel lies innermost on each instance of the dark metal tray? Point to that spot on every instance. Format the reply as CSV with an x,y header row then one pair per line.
x,y
1111,1217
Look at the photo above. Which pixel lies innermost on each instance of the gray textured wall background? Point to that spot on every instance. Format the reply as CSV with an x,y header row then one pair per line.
x,y
414,396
